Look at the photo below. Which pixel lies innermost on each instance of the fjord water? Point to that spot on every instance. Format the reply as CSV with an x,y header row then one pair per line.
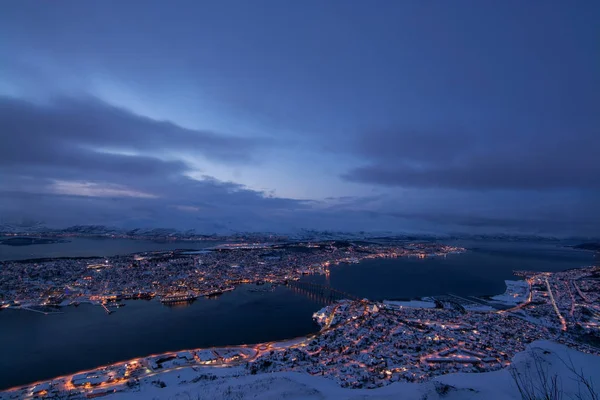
x,y
480,271
36,346
92,247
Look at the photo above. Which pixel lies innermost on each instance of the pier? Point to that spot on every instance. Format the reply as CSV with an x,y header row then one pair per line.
x,y
41,311
106,308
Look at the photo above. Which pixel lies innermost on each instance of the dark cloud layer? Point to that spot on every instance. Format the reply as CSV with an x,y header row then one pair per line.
x,y
465,221
84,161
36,132
86,140
567,159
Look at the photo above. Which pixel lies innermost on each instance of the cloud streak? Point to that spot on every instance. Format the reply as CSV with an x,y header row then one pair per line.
x,y
445,159
80,160
34,132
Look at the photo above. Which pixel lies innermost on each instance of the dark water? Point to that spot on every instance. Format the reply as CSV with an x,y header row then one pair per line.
x,y
89,247
35,346
480,271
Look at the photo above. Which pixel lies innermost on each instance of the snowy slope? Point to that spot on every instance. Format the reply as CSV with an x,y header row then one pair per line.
x,y
234,383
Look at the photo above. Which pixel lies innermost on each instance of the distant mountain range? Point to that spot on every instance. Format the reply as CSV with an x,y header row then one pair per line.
x,y
38,228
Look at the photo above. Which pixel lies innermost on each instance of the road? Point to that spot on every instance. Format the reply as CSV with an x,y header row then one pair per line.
x,y
563,323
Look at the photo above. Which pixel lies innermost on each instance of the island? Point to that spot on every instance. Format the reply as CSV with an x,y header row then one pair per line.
x,y
184,275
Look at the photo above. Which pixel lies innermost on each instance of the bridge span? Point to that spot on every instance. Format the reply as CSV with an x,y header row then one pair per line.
x,y
320,293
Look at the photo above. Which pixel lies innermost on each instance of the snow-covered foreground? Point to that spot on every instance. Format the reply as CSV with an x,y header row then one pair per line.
x,y
235,383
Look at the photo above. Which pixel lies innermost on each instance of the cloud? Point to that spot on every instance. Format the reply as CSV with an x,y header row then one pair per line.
x,y
191,209
562,223
90,189
181,203
492,160
66,127
85,147
80,160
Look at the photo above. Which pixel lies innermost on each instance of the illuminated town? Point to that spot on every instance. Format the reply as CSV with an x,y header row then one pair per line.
x,y
361,343
179,276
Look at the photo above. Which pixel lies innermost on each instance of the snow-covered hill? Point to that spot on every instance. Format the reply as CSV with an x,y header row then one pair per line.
x,y
235,383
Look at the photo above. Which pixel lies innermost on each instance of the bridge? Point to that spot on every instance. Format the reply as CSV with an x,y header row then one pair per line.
x,y
320,293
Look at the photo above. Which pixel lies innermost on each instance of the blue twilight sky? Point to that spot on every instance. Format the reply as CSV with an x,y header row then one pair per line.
x,y
433,116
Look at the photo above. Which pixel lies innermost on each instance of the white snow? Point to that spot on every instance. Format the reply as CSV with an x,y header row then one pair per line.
x,y
206,355
516,292
411,303
235,383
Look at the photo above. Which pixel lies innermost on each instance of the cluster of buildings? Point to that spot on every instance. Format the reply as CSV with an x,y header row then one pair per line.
x,y
181,275
568,301
366,345
127,375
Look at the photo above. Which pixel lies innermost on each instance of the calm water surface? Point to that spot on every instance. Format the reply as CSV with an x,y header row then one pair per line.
x,y
35,346
480,271
90,247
